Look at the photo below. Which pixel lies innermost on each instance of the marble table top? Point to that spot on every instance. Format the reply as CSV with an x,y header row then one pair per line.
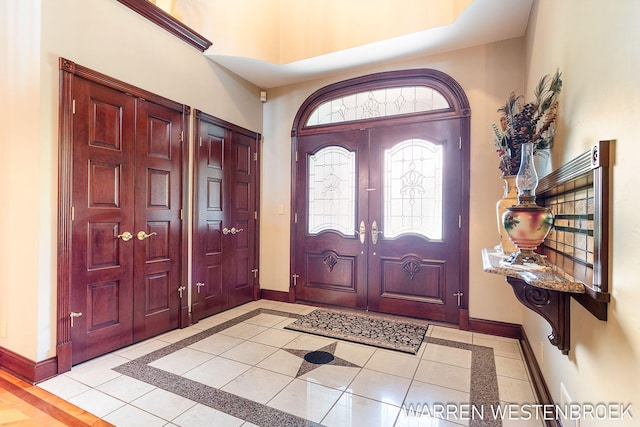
x,y
547,277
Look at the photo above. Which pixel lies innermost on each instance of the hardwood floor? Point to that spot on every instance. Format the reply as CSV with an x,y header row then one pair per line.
x,y
23,404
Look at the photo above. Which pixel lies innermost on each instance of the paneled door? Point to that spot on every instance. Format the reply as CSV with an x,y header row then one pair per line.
x,y
378,215
126,225
225,216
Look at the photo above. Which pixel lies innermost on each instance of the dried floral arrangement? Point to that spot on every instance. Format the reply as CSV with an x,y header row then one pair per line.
x,y
532,122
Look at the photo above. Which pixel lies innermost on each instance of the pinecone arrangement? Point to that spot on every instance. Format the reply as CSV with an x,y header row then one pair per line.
x,y
532,122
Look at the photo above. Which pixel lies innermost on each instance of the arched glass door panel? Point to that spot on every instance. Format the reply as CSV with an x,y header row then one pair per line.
x,y
413,189
332,189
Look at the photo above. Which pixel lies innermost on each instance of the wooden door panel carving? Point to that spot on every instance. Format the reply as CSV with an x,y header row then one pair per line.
x,y
331,271
413,279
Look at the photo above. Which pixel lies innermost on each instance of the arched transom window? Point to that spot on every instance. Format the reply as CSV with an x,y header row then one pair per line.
x,y
370,104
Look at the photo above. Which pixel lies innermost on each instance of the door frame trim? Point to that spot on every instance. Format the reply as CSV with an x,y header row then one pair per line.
x,y
460,110
68,71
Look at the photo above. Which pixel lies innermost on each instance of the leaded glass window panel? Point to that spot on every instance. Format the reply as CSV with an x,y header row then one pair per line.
x,y
391,101
413,189
332,186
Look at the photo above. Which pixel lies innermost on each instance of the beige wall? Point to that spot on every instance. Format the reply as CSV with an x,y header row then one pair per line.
x,y
595,44
109,38
487,74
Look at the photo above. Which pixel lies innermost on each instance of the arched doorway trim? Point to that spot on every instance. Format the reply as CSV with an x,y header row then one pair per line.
x,y
455,108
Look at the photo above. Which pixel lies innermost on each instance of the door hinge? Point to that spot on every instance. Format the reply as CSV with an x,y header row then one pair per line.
x,y
73,213
295,218
459,221
180,214
73,106
181,136
460,143
255,157
255,214
296,155
200,142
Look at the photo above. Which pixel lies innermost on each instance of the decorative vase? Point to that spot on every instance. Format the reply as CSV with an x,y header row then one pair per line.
x,y
526,223
542,162
509,198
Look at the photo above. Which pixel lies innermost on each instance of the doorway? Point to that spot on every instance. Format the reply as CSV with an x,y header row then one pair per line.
x,y
381,196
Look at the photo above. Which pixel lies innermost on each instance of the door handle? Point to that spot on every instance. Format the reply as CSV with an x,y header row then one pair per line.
x,y
143,235
126,236
199,285
233,230
73,314
375,232
362,232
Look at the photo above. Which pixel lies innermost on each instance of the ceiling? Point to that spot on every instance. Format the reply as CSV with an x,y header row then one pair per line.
x,y
482,22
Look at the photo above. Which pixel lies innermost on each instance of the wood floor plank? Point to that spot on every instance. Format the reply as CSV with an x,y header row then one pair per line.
x,y
23,404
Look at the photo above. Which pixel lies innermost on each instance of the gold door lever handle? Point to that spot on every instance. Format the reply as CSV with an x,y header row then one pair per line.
x,y
143,235
126,236
236,230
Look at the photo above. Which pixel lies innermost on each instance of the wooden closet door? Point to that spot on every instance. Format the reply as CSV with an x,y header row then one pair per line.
x,y
211,198
158,196
225,216
103,220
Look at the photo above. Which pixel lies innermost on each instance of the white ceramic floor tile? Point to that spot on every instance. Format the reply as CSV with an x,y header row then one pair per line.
x,y
309,342
432,395
125,388
500,348
258,384
355,353
209,322
204,416
243,330
182,360
130,416
449,355
64,387
380,386
178,334
452,334
98,403
282,362
352,410
265,319
444,375
513,390
508,367
216,344
141,349
249,352
275,337
394,363
97,371
163,404
217,372
305,399
338,377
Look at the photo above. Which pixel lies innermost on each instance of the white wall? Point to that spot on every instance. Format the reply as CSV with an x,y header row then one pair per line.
x,y
109,38
487,74
595,44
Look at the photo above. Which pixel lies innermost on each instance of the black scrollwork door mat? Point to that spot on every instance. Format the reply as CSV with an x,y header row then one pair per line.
x,y
374,330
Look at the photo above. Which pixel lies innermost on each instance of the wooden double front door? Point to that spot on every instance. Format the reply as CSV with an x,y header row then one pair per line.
x,y
378,219
126,203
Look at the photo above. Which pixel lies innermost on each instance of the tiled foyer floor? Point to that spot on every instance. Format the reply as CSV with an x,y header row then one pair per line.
x,y
240,368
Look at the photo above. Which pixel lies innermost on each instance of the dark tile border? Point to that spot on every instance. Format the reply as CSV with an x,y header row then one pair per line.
x,y
484,381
